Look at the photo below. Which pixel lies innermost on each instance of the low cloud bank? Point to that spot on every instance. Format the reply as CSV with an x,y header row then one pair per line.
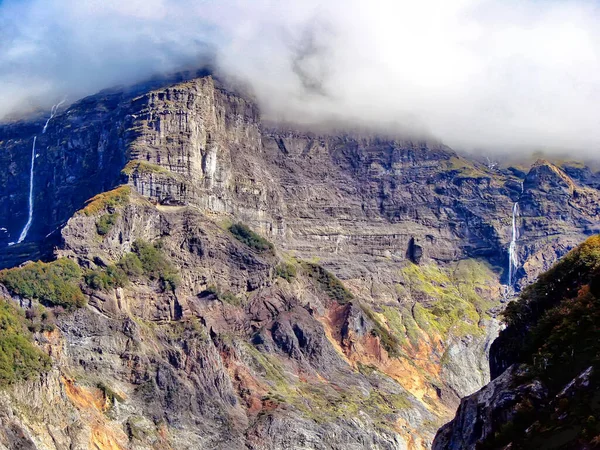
x,y
487,75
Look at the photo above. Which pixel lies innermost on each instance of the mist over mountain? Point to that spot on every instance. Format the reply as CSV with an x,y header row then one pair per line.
x,y
477,74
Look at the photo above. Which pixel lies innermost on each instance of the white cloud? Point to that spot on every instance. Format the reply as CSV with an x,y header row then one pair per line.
x,y
475,73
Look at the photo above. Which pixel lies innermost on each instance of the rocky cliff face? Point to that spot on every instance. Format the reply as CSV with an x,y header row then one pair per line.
x,y
241,353
198,144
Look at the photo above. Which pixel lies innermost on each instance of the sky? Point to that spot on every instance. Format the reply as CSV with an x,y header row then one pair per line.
x,y
480,75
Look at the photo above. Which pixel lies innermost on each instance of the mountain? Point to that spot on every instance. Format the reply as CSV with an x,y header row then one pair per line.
x,y
211,281
545,365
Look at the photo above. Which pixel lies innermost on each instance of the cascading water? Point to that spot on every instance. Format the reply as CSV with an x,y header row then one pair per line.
x,y
27,226
52,114
513,259
30,218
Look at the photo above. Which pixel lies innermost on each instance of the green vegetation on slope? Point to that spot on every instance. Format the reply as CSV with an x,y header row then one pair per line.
x,y
105,222
320,401
224,296
55,283
253,240
155,264
20,359
444,301
142,167
465,169
110,199
562,281
287,271
388,339
328,282
147,260
454,294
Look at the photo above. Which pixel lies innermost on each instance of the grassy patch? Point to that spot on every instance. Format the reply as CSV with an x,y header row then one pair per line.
x,y
401,324
224,296
328,282
253,240
146,260
464,168
105,222
20,359
142,167
388,341
155,265
54,283
111,199
455,295
286,271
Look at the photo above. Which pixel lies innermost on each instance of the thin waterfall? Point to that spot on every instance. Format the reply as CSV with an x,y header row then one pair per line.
x,y
30,218
513,258
52,114
27,226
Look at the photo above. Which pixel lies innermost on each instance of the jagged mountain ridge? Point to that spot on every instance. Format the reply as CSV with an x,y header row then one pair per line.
x,y
359,205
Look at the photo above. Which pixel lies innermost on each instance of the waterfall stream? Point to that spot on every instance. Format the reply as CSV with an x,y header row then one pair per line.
x,y
27,226
513,258
30,217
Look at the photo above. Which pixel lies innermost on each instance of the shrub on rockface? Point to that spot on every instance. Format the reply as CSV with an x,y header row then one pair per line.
x,y
110,199
112,276
105,223
328,282
131,265
253,240
109,277
55,283
224,296
286,271
20,359
155,265
146,260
